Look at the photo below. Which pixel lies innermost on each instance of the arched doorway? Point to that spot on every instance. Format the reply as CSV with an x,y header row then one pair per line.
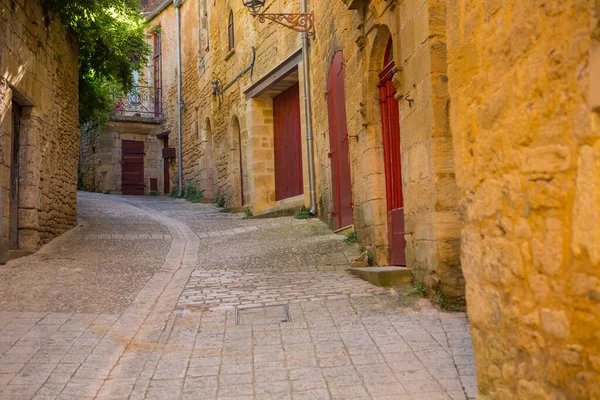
x,y
339,148
390,121
207,162
237,175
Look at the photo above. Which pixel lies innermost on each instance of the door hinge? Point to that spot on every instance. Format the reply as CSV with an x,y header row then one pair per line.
x,y
352,205
326,94
329,155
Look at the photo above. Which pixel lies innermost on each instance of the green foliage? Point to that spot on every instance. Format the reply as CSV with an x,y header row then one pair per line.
x,y
249,213
303,213
418,289
191,194
220,201
350,237
174,192
154,193
361,249
112,44
370,258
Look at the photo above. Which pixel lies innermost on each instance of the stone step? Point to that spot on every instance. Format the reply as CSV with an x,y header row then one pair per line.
x,y
384,276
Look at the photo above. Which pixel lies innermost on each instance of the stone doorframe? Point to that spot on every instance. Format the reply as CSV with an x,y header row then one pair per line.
x,y
259,119
376,173
29,171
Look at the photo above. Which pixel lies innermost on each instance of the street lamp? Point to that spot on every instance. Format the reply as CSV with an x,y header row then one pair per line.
x,y
300,22
254,5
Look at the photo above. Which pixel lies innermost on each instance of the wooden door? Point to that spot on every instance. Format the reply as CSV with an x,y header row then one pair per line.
x,y
342,213
288,148
166,166
13,222
390,119
133,168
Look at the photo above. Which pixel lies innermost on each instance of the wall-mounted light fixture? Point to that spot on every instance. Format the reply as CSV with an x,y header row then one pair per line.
x,y
299,22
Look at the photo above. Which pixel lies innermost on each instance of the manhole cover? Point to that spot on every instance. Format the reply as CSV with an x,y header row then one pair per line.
x,y
263,315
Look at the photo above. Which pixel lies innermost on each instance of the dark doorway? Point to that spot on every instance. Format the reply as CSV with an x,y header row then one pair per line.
x,y
390,119
288,148
133,168
339,152
13,223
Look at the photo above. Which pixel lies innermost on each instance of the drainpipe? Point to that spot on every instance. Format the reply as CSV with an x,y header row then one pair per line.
x,y
309,115
177,5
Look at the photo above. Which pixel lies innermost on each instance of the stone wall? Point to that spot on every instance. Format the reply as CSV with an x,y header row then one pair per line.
x,y
417,28
523,83
38,71
101,155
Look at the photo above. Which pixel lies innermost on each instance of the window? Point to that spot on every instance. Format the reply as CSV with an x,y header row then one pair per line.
x,y
230,31
157,73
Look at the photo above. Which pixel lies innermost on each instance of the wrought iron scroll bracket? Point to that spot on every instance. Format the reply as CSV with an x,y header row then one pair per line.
x,y
216,84
299,22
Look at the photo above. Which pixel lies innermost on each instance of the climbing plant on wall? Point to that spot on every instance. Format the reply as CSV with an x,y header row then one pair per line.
x,y
112,45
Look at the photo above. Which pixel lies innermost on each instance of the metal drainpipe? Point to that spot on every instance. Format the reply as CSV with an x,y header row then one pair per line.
x,y
309,115
177,5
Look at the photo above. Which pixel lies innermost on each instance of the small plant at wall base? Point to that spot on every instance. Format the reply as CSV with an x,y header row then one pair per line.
x,y
371,258
220,201
249,213
303,213
174,192
350,237
191,194
418,290
154,193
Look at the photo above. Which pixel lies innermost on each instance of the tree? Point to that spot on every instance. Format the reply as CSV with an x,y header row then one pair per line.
x,y
112,46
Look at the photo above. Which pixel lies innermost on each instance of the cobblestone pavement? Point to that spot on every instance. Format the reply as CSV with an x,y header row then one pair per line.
x,y
154,298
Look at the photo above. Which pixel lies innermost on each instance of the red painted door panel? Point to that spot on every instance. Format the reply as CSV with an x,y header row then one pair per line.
x,y
132,176
341,181
390,119
288,148
166,175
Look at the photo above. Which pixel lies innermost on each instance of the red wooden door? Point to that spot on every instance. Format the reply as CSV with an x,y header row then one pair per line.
x,y
390,119
132,176
339,152
166,166
288,148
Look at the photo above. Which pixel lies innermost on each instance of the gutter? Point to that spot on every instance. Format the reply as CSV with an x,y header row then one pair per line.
x,y
152,14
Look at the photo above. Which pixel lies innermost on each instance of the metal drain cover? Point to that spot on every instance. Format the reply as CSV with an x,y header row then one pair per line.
x,y
263,315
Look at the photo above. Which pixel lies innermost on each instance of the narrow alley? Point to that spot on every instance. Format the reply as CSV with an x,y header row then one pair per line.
x,y
155,298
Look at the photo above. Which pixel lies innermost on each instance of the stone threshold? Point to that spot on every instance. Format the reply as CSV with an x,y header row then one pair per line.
x,y
385,276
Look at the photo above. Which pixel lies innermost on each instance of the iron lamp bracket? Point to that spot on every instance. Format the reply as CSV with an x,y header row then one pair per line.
x,y
299,22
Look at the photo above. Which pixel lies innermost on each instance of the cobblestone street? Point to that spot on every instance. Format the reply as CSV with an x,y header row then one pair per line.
x,y
155,298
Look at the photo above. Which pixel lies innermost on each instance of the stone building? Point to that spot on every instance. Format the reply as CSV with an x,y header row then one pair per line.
x,y
524,84
385,169
39,136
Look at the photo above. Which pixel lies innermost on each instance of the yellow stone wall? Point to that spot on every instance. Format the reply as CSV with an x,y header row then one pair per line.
x,y
210,135
38,70
523,84
417,28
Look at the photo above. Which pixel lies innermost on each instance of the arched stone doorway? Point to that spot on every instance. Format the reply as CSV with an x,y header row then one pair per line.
x,y
390,126
207,163
236,165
